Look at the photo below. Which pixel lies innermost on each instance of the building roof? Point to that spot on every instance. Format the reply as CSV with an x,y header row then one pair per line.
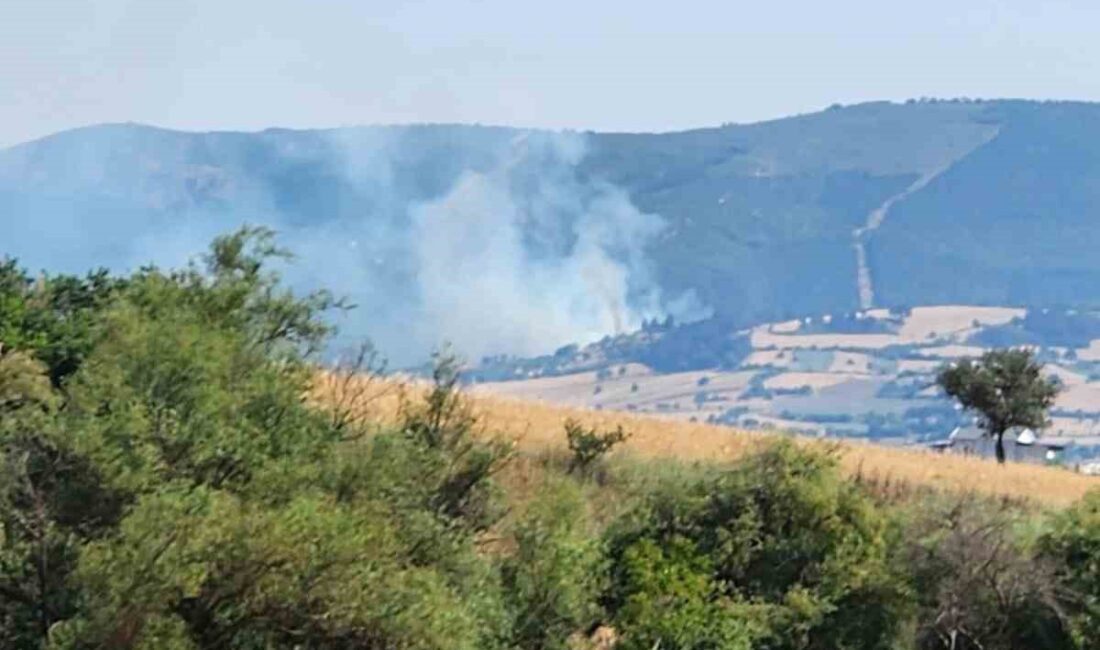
x,y
1056,442
1024,436
963,434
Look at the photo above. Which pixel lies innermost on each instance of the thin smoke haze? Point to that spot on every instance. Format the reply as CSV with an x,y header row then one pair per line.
x,y
509,248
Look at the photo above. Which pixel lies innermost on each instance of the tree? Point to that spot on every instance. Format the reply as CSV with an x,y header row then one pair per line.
x,y
51,500
780,541
1073,542
553,579
51,317
672,600
977,578
1005,387
187,493
23,381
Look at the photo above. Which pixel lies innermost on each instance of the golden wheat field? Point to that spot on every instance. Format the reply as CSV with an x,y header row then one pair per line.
x,y
537,427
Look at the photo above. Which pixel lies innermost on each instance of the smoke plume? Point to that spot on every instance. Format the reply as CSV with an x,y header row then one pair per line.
x,y
499,243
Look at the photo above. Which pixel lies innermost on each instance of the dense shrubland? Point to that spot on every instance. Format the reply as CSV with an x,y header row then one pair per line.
x,y
166,483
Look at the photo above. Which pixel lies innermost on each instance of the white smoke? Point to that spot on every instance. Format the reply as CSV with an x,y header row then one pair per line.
x,y
488,288
502,244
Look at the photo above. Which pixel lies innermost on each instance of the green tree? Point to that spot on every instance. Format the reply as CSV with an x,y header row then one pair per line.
x,y
457,463
51,501
52,318
23,382
1073,542
246,518
783,532
670,599
1005,387
201,374
553,579
203,568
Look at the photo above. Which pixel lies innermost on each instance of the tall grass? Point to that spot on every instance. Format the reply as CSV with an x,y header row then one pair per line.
x,y
537,428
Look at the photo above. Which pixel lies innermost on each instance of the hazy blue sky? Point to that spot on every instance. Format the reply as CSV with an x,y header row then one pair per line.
x,y
599,64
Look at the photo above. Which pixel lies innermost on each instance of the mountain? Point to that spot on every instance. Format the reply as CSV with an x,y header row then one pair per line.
x,y
519,241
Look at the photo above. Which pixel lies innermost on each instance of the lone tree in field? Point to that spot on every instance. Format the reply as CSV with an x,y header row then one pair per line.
x,y
1005,387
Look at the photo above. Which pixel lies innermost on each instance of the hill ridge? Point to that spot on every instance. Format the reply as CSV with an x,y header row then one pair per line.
x,y
133,124
752,223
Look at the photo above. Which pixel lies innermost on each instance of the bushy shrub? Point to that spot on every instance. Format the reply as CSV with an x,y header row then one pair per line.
x,y
188,496
205,568
53,317
166,483
588,444
977,579
554,578
781,532
456,464
669,599
1073,544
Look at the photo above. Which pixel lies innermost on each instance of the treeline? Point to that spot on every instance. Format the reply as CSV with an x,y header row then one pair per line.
x,y
166,482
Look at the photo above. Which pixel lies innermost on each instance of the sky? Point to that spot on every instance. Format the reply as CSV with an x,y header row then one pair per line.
x,y
569,64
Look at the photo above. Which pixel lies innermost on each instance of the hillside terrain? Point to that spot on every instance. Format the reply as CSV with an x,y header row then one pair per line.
x,y
535,428
865,374
883,205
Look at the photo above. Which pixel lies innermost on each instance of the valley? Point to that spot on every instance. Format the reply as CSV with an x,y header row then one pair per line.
x,y
864,375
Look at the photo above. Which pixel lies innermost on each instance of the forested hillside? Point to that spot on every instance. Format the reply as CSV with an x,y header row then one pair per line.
x,y
931,202
1015,222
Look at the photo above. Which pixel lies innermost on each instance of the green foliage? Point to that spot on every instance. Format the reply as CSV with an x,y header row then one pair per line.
x,y
588,445
221,572
1073,544
554,578
670,599
187,496
784,533
457,467
52,318
1005,387
23,382
200,377
164,483
977,578
51,499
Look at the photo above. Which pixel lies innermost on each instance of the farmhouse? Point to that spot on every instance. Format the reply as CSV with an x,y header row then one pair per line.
x,y
1022,445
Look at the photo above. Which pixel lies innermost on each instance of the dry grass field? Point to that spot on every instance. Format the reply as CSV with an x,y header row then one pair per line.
x,y
537,427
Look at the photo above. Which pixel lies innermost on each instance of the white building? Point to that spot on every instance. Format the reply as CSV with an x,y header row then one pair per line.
x,y
1021,444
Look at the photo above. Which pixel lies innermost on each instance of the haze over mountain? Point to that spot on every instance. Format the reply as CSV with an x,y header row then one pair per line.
x,y
519,241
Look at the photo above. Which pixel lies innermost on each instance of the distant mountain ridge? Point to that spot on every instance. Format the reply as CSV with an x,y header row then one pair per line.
x,y
879,204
